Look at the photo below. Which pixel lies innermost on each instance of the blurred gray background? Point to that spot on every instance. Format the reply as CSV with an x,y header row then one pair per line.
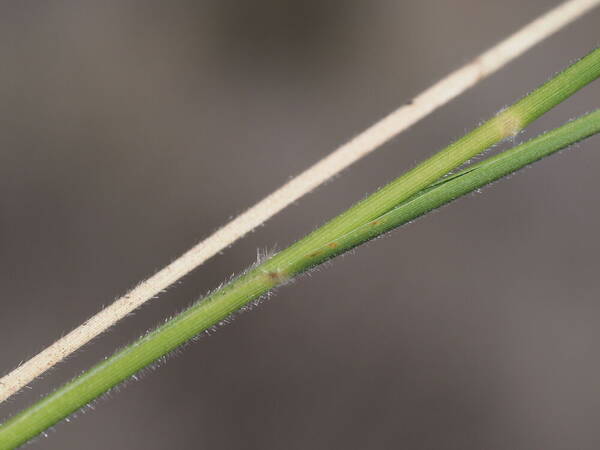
x,y
129,130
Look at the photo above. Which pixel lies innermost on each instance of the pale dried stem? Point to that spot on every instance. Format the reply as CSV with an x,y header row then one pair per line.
x,y
401,119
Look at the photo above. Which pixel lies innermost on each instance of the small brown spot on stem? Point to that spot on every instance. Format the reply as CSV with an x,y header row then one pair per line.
x,y
276,276
376,222
480,68
332,245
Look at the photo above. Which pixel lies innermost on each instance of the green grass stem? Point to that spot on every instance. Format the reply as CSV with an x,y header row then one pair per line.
x,y
399,202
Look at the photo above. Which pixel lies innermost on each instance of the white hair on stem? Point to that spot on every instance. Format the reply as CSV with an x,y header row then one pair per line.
x,y
407,115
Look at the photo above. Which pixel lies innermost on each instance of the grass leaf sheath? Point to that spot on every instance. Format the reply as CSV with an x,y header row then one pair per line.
x,y
409,196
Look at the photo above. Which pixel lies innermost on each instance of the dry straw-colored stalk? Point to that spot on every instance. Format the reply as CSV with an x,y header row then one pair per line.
x,y
379,133
407,197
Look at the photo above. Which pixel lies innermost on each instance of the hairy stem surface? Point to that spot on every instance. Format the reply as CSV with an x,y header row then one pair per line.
x,y
398,202
399,120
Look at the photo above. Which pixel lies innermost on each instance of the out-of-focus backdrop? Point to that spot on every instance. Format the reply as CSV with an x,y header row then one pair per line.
x,y
129,130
